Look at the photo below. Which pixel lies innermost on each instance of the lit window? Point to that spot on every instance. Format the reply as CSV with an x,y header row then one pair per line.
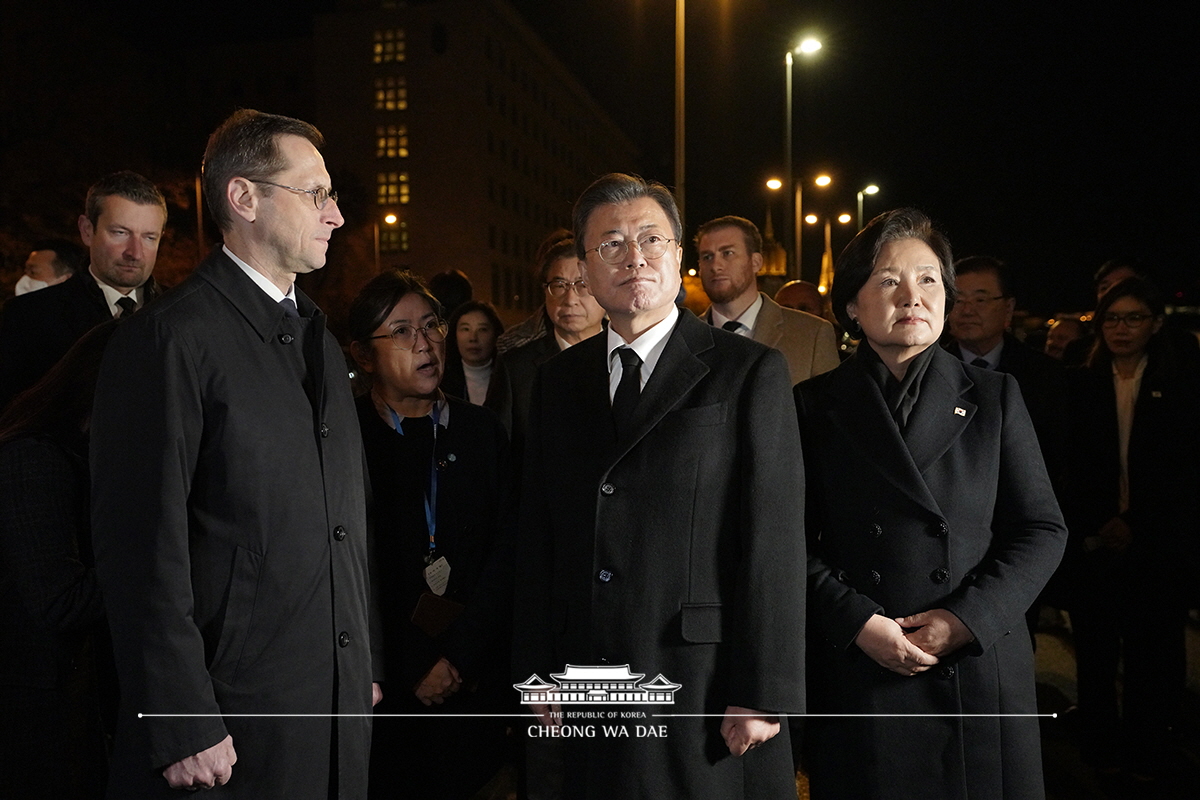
x,y
391,188
391,93
393,238
388,46
391,141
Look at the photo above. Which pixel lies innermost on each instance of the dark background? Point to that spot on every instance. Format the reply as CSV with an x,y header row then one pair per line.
x,y
1052,135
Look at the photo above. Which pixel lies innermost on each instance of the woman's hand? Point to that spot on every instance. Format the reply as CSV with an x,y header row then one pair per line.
x,y
884,641
439,683
938,631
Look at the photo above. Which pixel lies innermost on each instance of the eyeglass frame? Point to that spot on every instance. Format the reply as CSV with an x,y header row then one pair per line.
x,y
580,286
439,325
1112,320
316,193
625,244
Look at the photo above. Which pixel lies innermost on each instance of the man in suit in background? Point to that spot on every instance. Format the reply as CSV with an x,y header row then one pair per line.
x,y
228,502
50,262
730,257
662,521
122,226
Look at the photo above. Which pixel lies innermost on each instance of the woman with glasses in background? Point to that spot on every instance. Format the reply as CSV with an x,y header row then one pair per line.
x,y
1132,504
443,521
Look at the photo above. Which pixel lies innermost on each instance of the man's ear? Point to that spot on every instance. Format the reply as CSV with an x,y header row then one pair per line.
x,y
756,262
243,199
85,230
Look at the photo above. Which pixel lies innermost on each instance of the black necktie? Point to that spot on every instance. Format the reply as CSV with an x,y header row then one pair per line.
x,y
980,362
733,326
289,307
127,305
629,390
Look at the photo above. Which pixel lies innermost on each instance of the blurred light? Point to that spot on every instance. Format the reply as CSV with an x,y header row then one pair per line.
x,y
808,46
844,218
390,219
872,189
775,184
824,180
692,273
811,219
822,289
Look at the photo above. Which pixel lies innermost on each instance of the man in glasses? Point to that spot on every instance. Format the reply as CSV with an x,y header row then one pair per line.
x,y
228,502
662,535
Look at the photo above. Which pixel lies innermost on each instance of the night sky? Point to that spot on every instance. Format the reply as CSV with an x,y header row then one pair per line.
x,y
1051,135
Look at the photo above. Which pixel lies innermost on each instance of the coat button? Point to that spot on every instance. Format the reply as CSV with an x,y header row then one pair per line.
x,y
286,338
875,577
939,530
607,489
946,671
876,530
344,639
339,533
604,575
940,575
324,430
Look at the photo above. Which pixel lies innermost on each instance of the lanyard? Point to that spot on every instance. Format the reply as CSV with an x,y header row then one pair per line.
x,y
431,495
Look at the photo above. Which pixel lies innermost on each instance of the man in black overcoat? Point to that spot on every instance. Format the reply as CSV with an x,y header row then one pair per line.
x,y
228,503
661,524
123,223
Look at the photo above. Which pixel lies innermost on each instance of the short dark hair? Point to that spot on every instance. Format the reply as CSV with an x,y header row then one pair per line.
x,y
129,185
1139,289
754,242
377,299
559,244
1114,264
857,261
615,188
247,145
970,264
68,256
452,288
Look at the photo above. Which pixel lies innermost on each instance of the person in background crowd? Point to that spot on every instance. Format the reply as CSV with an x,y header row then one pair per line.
x,y
802,296
122,227
452,288
536,325
472,371
50,262
931,527
56,683
1132,505
444,518
1062,332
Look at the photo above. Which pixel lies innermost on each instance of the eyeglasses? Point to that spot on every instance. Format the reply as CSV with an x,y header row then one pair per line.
x,y
320,196
559,288
404,337
978,302
1132,320
614,250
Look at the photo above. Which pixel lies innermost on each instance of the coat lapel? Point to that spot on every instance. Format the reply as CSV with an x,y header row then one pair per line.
x,y
768,328
942,413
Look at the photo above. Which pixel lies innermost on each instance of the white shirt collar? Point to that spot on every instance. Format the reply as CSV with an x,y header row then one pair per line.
x,y
992,357
748,318
648,346
111,295
261,280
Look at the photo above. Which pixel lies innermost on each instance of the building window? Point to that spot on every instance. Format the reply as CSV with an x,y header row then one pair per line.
x,y
391,93
391,141
391,188
389,46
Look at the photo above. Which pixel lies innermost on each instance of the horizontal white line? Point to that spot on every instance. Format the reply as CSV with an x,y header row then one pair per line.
x,y
565,716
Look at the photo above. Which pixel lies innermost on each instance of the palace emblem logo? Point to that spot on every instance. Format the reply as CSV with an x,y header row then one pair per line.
x,y
592,685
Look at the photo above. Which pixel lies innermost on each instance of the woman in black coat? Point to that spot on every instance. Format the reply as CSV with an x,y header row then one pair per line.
x,y
443,520
56,674
1132,502
931,528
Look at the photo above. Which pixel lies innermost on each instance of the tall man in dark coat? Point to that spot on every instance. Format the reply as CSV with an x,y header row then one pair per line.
x,y
123,223
228,502
661,523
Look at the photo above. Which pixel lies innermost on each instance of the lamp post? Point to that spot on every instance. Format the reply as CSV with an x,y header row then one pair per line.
x,y
680,9
872,189
806,47
825,282
821,181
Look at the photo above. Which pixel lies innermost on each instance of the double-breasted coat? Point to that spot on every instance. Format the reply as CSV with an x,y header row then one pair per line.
x,y
231,541
677,550
956,513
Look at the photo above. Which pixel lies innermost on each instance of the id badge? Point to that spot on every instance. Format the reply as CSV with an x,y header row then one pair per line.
x,y
437,576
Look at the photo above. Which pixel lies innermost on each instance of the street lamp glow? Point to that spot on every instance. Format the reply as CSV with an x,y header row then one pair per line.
x,y
811,219
390,219
774,184
823,180
808,46
872,189
844,218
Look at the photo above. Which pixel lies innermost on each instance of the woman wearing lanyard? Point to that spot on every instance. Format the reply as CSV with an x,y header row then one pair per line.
x,y
443,519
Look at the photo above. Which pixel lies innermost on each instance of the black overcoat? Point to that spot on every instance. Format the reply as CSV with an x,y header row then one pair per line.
x,y
675,550
958,514
231,542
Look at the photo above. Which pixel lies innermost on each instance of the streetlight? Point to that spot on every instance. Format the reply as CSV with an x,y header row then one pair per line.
x,y
807,47
825,283
821,181
872,189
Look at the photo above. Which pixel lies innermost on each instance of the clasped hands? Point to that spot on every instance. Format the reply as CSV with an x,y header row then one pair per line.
x,y
934,634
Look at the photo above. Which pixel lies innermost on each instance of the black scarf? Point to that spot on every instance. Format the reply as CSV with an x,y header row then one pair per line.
x,y
900,395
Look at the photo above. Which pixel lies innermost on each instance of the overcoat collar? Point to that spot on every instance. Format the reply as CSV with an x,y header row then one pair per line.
x,y
937,421
264,315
